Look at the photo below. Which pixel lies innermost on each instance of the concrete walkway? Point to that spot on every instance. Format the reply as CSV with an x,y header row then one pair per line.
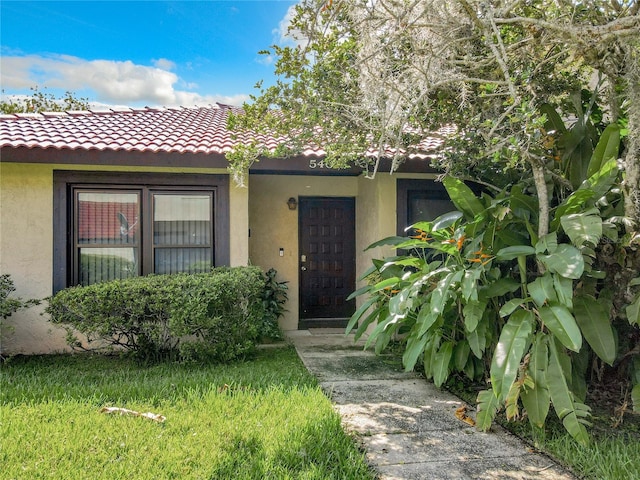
x,y
406,426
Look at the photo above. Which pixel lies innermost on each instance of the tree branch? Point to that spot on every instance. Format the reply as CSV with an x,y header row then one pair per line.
x,y
582,33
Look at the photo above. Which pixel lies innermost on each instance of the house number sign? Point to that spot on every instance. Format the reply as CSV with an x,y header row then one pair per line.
x,y
317,164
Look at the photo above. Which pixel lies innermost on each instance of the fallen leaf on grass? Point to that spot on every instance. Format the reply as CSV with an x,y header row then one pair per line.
x,y
461,414
124,411
226,388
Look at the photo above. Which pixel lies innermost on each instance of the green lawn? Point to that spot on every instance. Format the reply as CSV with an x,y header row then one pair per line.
x,y
258,419
612,454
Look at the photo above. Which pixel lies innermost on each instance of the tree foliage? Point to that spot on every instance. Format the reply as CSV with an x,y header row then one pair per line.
x,y
528,284
381,74
40,101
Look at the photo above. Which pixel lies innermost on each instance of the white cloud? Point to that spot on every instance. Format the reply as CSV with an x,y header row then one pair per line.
x,y
282,34
283,37
266,59
114,82
164,64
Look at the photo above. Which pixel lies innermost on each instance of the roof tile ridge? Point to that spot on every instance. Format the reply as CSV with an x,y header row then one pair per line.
x,y
195,108
53,114
106,111
120,109
29,115
228,107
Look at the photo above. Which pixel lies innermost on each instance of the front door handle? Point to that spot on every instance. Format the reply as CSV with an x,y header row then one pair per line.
x,y
303,268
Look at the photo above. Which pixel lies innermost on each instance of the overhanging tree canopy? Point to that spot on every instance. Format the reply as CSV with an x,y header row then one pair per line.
x,y
545,95
382,73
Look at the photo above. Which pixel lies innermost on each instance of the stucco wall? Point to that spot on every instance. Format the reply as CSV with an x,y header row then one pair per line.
x,y
26,245
238,225
376,209
26,234
274,226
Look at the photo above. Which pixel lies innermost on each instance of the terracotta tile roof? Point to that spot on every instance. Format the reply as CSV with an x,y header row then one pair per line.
x,y
180,130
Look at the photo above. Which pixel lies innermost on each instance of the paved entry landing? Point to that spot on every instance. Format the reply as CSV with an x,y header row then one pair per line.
x,y
407,426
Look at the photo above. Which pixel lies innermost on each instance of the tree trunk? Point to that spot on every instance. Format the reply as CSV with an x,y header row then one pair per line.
x,y
543,204
543,198
631,184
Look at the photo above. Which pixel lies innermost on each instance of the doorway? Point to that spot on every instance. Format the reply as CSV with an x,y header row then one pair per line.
x,y
327,261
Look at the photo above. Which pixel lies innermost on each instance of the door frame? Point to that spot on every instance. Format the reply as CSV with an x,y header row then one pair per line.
x,y
324,322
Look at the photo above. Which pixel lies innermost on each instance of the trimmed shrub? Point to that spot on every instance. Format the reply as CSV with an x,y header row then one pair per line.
x,y
185,316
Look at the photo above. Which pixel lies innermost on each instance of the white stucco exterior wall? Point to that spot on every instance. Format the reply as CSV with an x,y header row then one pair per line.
x,y
377,209
239,225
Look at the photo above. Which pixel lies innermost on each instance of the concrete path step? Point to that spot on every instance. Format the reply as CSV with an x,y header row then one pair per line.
x,y
408,427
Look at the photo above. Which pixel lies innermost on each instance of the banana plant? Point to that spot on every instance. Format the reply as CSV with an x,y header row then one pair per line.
x,y
481,294
481,289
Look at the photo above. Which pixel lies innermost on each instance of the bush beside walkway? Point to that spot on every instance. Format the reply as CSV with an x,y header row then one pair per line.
x,y
218,315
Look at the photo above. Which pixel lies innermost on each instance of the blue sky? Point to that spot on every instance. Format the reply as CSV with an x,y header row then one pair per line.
x,y
141,53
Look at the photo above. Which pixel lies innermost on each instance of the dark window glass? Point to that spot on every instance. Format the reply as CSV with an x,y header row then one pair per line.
x,y
423,201
427,205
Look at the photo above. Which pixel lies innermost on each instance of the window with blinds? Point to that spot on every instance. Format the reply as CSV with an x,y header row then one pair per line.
x,y
125,232
107,236
181,233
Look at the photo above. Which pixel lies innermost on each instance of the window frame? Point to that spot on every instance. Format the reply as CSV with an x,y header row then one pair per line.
x,y
404,189
149,257
428,188
66,183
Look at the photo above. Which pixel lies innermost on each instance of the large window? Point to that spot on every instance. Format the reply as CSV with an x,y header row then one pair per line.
x,y
182,232
108,227
423,200
420,200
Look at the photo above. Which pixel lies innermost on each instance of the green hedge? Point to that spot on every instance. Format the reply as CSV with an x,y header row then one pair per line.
x,y
216,315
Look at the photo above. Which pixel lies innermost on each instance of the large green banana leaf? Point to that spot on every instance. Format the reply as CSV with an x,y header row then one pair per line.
x,y
536,401
561,323
514,340
593,320
573,414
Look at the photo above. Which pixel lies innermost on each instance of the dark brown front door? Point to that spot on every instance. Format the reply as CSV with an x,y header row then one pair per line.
x,y
327,261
